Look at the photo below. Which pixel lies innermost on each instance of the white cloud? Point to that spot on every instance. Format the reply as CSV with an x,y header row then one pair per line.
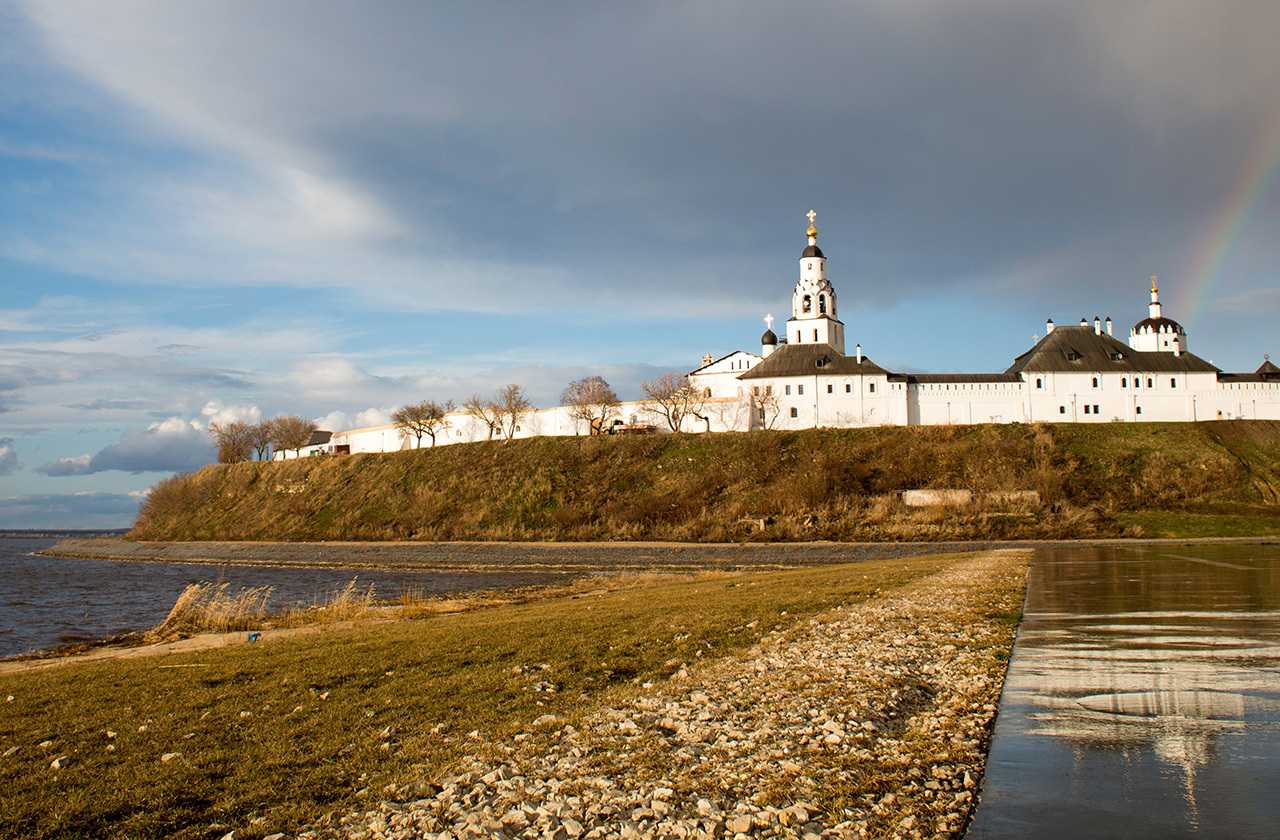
x,y
174,444
341,421
68,465
215,412
8,455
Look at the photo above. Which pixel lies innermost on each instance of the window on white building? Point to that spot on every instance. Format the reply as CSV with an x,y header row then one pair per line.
x,y
1095,382
806,304
872,386
788,390
848,389
830,388
794,412
768,389
1138,409
1062,409
1124,382
1087,410
1095,410
1173,383
1150,382
800,389
1039,384
822,304
815,335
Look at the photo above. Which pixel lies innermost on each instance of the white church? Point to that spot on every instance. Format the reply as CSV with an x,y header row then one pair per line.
x,y
805,379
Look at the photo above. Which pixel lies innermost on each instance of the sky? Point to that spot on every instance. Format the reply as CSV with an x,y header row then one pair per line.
x,y
232,210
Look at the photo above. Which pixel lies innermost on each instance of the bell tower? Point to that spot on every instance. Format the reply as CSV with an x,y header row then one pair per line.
x,y
814,318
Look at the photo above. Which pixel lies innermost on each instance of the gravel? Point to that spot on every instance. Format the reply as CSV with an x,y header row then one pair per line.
x,y
870,720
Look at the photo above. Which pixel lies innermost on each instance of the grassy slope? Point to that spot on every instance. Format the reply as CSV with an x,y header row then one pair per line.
x,y
1096,480
290,765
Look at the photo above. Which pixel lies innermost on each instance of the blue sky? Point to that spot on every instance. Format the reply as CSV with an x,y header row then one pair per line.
x,y
215,210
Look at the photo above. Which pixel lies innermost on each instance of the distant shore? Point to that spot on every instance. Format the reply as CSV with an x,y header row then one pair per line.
x,y
552,556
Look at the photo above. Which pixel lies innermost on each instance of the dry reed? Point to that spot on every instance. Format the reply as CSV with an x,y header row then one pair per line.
x,y
212,608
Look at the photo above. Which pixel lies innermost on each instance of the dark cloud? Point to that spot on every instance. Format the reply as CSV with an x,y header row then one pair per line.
x,y
75,510
570,157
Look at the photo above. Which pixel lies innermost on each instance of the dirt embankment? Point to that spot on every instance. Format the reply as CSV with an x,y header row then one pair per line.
x,y
1088,481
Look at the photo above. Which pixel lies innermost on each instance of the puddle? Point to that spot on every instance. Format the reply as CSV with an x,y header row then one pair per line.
x,y
1143,698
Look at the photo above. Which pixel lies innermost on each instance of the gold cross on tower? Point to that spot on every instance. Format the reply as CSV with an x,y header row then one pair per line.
x,y
813,230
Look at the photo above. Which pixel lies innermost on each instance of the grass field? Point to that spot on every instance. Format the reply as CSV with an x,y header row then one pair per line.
x,y
274,735
829,484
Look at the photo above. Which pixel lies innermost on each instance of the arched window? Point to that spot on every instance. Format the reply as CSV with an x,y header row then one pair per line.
x,y
822,304
806,304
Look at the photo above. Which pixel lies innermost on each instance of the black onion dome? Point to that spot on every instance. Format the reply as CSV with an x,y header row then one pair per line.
x,y
813,251
1159,324
769,337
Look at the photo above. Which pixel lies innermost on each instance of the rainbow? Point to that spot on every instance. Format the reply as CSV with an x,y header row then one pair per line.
x,y
1213,245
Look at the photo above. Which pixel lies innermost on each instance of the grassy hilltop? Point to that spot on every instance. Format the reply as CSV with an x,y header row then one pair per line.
x,y
1175,479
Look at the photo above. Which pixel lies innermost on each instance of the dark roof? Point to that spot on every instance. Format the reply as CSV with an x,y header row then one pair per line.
x,y
802,360
318,437
1157,324
715,361
939,378
812,251
1266,372
1081,349
769,337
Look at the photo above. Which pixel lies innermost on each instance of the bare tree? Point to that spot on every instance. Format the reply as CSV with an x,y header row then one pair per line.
x,y
767,407
424,419
592,401
290,433
513,406
486,411
234,441
674,399
260,439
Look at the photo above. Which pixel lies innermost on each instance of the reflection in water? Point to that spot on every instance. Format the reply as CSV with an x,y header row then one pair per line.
x,y
1143,699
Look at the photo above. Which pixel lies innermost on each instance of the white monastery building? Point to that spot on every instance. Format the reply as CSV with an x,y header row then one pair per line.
x,y
806,378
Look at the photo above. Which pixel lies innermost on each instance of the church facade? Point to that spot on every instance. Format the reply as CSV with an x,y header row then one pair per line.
x,y
807,378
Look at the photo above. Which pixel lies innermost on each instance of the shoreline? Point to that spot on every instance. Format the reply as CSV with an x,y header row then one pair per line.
x,y
560,557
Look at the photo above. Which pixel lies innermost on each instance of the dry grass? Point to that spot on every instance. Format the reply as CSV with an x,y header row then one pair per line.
x,y
842,484
274,736
213,608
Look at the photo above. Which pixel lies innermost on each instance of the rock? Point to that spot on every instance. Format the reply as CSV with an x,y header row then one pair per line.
x,y
60,762
544,720
230,835
572,827
44,745
739,824
170,756
10,751
246,715
110,734
279,835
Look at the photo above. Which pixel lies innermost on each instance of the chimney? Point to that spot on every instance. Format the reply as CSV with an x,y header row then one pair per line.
x,y
707,359
1097,325
1108,325
1048,326
858,350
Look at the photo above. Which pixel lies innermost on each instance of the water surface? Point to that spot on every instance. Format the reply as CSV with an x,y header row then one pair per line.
x,y
47,601
1143,698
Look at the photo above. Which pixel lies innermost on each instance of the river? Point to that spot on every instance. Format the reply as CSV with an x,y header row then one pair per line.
x,y
1143,698
49,601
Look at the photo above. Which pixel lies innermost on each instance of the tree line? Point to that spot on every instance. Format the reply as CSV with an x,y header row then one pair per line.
x,y
590,400
239,441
